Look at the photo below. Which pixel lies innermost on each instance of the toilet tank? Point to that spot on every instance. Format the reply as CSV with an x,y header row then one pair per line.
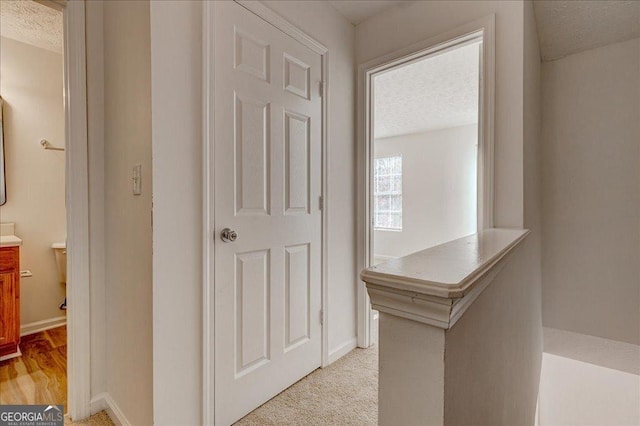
x,y
60,250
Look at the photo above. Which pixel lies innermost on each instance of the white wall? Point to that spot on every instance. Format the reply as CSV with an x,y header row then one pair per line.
x,y
439,170
31,87
591,192
579,393
127,136
413,22
176,61
532,273
176,34
493,353
532,143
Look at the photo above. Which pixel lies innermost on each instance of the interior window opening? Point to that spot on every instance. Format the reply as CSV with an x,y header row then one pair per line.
x,y
424,168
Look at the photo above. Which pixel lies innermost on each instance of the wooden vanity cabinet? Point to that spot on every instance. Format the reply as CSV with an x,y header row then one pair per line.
x,y
9,300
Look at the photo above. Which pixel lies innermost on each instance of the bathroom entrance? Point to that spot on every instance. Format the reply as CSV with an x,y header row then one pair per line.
x,y
42,141
33,211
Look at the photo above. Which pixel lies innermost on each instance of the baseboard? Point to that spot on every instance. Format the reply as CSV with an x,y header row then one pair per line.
x,y
342,350
13,355
103,401
38,326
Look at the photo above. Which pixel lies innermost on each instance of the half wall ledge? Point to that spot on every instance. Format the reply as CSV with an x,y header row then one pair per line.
x,y
437,285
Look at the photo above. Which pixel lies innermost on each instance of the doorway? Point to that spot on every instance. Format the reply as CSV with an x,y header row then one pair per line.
x,y
426,128
52,52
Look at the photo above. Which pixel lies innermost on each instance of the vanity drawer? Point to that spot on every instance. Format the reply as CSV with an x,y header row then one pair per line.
x,y
9,259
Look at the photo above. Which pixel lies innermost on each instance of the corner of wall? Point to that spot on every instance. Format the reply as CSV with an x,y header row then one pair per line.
x,y
95,122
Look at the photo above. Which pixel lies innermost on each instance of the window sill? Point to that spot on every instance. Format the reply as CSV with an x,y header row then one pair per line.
x,y
387,229
436,285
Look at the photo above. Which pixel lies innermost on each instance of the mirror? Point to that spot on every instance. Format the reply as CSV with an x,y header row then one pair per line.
x,y
3,185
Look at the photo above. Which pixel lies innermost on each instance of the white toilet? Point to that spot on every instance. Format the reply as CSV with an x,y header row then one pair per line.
x,y
60,250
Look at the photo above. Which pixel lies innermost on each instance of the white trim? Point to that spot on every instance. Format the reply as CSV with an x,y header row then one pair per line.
x,y
103,401
264,12
484,27
11,356
325,209
77,189
44,325
58,5
486,123
208,225
383,257
342,350
283,25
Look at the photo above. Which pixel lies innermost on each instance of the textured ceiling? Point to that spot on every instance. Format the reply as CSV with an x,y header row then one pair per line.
x,y
31,23
567,27
434,93
360,10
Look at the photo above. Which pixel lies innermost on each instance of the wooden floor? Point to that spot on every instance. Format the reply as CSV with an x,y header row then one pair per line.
x,y
39,376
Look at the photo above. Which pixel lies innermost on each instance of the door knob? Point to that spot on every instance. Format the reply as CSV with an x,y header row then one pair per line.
x,y
228,235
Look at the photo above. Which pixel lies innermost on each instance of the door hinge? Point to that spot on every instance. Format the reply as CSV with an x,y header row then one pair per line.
x,y
321,88
321,317
320,202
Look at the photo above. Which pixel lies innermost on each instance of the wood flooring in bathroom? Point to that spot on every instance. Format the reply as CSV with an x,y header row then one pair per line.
x,y
39,376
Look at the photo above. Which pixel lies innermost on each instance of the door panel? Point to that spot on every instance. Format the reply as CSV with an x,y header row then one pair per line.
x,y
252,310
297,292
8,327
251,142
267,171
296,76
251,55
297,162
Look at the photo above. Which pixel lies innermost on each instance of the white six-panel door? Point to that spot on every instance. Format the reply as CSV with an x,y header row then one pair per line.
x,y
267,172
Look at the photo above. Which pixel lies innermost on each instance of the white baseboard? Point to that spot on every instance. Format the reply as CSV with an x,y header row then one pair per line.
x,y
38,326
342,350
103,401
10,356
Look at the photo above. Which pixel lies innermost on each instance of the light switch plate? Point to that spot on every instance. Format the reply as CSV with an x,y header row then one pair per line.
x,y
137,179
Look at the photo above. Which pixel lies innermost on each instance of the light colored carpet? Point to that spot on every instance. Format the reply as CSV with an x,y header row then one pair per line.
x,y
345,393
98,419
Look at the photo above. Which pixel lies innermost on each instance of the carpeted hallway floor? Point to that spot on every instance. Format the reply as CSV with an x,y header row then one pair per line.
x,y
98,419
345,393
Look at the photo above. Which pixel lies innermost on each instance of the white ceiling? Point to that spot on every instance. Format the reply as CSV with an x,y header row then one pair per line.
x,y
31,23
361,10
435,93
567,27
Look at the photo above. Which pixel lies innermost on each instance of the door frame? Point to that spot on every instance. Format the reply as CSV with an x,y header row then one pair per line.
x,y
77,204
208,289
484,27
